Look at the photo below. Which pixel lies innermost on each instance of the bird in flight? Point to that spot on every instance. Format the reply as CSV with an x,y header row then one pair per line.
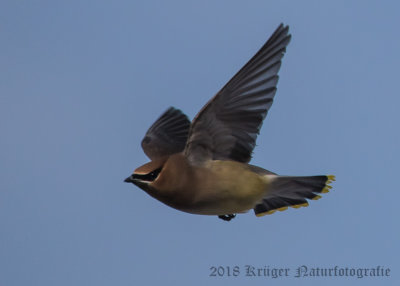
x,y
202,167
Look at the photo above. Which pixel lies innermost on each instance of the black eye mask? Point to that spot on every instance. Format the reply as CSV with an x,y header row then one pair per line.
x,y
150,177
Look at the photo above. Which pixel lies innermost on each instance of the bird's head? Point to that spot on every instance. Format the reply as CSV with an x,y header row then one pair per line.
x,y
146,174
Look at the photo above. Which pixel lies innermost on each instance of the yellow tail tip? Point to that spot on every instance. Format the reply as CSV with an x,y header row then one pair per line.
x,y
286,207
265,213
325,190
316,198
300,205
331,177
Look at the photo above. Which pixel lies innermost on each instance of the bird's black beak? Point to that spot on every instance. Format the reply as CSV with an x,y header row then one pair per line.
x,y
129,180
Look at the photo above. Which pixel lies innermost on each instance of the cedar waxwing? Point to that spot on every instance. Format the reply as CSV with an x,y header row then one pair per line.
x,y
202,167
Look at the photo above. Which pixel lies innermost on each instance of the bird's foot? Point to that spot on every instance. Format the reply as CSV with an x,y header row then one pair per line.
x,y
227,217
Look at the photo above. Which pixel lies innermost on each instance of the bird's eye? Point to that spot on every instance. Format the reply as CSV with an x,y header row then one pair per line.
x,y
150,177
153,175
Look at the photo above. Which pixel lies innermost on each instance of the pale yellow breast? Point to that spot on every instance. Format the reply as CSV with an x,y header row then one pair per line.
x,y
227,187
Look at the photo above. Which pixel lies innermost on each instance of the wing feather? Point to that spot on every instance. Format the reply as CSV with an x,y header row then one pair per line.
x,y
227,126
167,135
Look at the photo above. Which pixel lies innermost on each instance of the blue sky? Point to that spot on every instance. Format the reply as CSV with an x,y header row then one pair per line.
x,y
80,83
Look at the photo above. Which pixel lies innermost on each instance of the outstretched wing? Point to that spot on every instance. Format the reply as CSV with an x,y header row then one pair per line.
x,y
168,135
227,126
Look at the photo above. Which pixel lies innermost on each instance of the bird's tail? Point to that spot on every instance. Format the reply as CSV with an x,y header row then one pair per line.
x,y
289,191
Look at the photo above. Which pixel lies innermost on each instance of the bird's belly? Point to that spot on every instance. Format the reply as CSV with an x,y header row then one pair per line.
x,y
229,195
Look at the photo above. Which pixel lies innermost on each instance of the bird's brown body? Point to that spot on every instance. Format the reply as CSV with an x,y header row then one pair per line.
x,y
215,186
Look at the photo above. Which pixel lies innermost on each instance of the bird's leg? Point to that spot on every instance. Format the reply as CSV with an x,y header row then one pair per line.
x,y
227,217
